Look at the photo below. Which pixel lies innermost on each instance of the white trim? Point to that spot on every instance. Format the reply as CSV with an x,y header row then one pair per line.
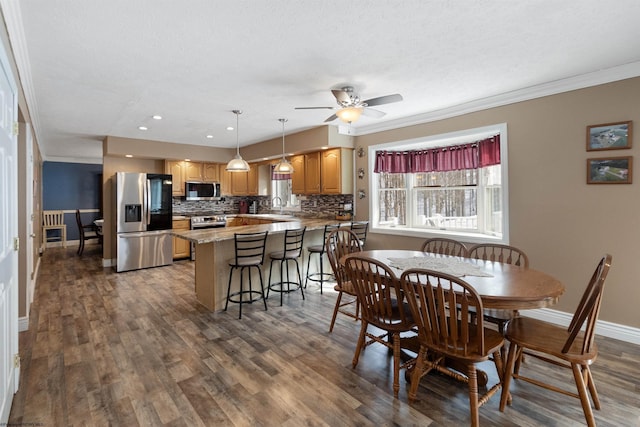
x,y
109,262
88,160
438,140
609,75
607,329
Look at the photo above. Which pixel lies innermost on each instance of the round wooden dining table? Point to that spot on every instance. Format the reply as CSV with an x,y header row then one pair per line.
x,y
505,286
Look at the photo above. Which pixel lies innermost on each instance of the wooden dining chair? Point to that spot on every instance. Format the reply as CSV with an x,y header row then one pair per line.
x,y
381,305
86,232
504,254
573,347
496,252
53,220
442,336
444,246
339,243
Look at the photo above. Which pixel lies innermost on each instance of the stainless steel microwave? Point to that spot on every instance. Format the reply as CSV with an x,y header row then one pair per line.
x,y
202,190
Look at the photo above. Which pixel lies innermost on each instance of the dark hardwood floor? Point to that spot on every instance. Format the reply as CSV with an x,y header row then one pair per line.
x,y
135,348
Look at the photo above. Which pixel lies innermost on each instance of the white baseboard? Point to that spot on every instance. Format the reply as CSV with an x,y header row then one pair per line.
x,y
108,262
607,329
71,243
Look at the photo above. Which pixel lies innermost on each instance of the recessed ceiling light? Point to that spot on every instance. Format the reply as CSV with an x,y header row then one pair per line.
x,y
229,127
210,136
187,160
128,155
143,128
157,117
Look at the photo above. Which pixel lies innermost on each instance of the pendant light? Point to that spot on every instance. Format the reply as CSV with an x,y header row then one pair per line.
x,y
283,167
237,164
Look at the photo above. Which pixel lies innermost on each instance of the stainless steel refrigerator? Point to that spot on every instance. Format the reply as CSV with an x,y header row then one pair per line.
x,y
144,220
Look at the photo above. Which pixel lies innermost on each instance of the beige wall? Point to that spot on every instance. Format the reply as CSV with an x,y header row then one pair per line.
x,y
563,224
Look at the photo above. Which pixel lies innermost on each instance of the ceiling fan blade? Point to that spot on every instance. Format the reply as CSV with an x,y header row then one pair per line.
x,y
370,112
387,99
313,108
342,96
331,118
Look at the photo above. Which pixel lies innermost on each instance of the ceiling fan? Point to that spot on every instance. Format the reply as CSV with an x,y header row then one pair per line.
x,y
350,107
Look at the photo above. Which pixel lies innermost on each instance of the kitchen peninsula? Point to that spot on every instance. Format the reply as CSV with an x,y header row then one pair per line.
x,y
215,248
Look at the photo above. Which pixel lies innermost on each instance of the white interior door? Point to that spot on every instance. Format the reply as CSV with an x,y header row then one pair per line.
x,y
9,373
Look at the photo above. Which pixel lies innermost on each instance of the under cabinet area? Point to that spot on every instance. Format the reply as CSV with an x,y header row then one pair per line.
x,y
181,247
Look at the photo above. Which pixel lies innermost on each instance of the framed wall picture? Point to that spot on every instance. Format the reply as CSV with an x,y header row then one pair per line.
x,y
609,136
610,170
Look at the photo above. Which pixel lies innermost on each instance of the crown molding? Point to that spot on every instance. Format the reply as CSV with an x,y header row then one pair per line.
x,y
550,88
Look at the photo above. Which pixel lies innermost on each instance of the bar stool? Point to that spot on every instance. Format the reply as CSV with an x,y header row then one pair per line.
x,y
249,253
321,276
291,252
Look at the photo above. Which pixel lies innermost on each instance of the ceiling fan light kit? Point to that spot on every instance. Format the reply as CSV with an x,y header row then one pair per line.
x,y
349,114
237,164
283,167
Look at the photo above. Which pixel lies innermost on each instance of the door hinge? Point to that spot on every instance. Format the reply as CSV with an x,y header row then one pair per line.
x,y
16,360
16,244
16,128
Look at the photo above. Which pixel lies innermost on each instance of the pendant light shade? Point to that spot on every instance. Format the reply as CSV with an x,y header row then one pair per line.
x,y
237,164
283,167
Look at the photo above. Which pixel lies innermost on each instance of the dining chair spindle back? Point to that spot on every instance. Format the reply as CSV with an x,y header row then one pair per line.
x,y
573,347
444,246
445,332
339,243
381,305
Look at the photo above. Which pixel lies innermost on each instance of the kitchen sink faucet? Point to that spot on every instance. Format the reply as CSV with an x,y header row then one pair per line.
x,y
273,203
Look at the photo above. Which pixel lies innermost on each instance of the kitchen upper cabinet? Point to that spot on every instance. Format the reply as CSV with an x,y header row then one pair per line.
x,y
193,171
210,172
306,176
297,177
337,171
245,183
312,173
239,183
177,169
225,179
184,171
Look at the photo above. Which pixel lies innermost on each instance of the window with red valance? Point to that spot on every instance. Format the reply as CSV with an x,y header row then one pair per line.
x,y
472,155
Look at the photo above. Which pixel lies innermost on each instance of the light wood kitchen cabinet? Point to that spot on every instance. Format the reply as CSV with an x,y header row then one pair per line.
x,y
193,171
306,176
225,180
239,183
245,183
337,171
297,177
184,171
181,247
210,172
312,173
177,169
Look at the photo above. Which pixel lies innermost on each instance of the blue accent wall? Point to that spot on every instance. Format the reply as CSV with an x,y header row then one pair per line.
x,y
71,186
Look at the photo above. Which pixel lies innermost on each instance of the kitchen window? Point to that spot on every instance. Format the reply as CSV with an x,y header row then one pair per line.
x,y
452,185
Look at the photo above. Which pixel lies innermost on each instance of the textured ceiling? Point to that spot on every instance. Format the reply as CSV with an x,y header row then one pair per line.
x,y
97,68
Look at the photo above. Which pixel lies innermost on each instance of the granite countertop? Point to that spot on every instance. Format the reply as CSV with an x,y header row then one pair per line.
x,y
209,235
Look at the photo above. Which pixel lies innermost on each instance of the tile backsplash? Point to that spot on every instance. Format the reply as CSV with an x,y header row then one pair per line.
x,y
312,206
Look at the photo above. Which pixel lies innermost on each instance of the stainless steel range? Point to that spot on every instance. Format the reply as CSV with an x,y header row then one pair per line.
x,y
208,221
200,222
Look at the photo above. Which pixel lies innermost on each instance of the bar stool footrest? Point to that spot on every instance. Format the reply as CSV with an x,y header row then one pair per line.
x,y
279,287
321,277
251,299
